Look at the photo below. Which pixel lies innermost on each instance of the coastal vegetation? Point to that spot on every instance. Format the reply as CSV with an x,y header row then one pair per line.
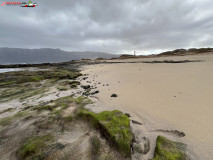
x,y
25,84
35,147
64,127
114,125
169,150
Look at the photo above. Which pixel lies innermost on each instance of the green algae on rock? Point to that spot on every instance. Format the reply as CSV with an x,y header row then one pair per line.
x,y
114,125
169,150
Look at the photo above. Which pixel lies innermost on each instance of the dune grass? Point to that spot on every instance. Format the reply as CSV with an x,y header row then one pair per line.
x,y
7,120
35,147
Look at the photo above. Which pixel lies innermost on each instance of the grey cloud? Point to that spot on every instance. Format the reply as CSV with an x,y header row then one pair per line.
x,y
109,26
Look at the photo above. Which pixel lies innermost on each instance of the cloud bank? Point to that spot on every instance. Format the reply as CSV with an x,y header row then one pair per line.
x,y
120,26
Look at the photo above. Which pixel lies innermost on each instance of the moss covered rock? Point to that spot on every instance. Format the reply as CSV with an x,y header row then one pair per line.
x,y
169,150
114,125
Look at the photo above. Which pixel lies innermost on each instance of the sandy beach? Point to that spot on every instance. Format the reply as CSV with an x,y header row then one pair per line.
x,y
163,96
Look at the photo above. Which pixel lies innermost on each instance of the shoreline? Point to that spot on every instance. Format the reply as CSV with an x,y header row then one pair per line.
x,y
150,92
119,83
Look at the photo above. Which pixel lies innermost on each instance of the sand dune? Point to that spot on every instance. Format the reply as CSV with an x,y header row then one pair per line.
x,y
163,96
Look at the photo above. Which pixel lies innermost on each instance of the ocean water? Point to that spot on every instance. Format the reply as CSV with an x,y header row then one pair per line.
x,y
4,70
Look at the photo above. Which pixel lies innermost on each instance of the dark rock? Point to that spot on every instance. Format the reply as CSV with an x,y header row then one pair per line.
x,y
85,93
84,78
86,87
95,92
114,95
127,114
136,122
74,82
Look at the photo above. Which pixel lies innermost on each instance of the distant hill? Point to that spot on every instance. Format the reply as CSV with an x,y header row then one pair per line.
x,y
177,52
183,52
46,55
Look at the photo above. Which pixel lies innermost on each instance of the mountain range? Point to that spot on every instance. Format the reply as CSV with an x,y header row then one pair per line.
x,y
46,55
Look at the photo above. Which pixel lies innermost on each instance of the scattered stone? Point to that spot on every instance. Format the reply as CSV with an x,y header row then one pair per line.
x,y
84,78
95,92
136,122
127,114
86,87
114,95
86,94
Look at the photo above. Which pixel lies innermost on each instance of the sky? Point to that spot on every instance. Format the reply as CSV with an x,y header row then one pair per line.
x,y
113,26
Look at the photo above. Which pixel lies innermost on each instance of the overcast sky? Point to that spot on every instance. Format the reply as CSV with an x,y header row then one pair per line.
x,y
114,26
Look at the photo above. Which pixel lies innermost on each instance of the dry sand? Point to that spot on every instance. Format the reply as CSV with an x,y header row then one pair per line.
x,y
163,96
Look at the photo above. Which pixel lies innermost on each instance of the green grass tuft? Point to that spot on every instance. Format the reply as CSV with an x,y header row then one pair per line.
x,y
95,146
7,120
34,148
7,110
60,104
68,118
63,88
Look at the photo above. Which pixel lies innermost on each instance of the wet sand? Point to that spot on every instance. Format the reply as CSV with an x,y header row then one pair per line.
x,y
163,96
